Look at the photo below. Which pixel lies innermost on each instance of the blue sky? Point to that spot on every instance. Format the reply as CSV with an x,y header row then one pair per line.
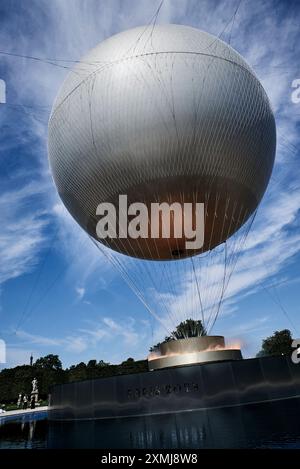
x,y
57,295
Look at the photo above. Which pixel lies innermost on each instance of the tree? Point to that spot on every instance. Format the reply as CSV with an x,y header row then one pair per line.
x,y
189,328
77,372
102,363
50,362
280,343
129,361
93,369
48,371
184,330
92,364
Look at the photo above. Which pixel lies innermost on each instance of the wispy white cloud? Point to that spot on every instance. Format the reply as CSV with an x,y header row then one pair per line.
x,y
73,343
37,339
80,292
96,335
126,332
23,231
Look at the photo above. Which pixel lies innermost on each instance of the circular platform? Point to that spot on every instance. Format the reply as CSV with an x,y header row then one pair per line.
x,y
192,350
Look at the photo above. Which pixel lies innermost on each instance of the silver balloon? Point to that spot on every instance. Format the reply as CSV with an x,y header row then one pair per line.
x,y
166,113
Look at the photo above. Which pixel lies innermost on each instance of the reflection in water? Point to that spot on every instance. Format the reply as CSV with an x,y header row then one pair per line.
x,y
24,433
258,425
271,425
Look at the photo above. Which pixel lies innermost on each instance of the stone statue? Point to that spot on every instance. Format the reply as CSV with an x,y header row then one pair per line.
x,y
34,384
35,391
19,400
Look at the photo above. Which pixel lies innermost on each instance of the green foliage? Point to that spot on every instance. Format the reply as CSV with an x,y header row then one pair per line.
x,y
18,380
101,369
50,362
128,361
48,371
280,343
155,348
187,328
92,364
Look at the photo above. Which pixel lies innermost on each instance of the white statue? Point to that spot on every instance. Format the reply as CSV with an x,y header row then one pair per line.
x,y
35,391
34,385
19,400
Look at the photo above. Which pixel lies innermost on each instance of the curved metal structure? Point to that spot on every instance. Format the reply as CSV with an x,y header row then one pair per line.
x,y
192,358
192,344
163,114
190,351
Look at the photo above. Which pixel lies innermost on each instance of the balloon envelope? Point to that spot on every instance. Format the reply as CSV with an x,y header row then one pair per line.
x,y
163,114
